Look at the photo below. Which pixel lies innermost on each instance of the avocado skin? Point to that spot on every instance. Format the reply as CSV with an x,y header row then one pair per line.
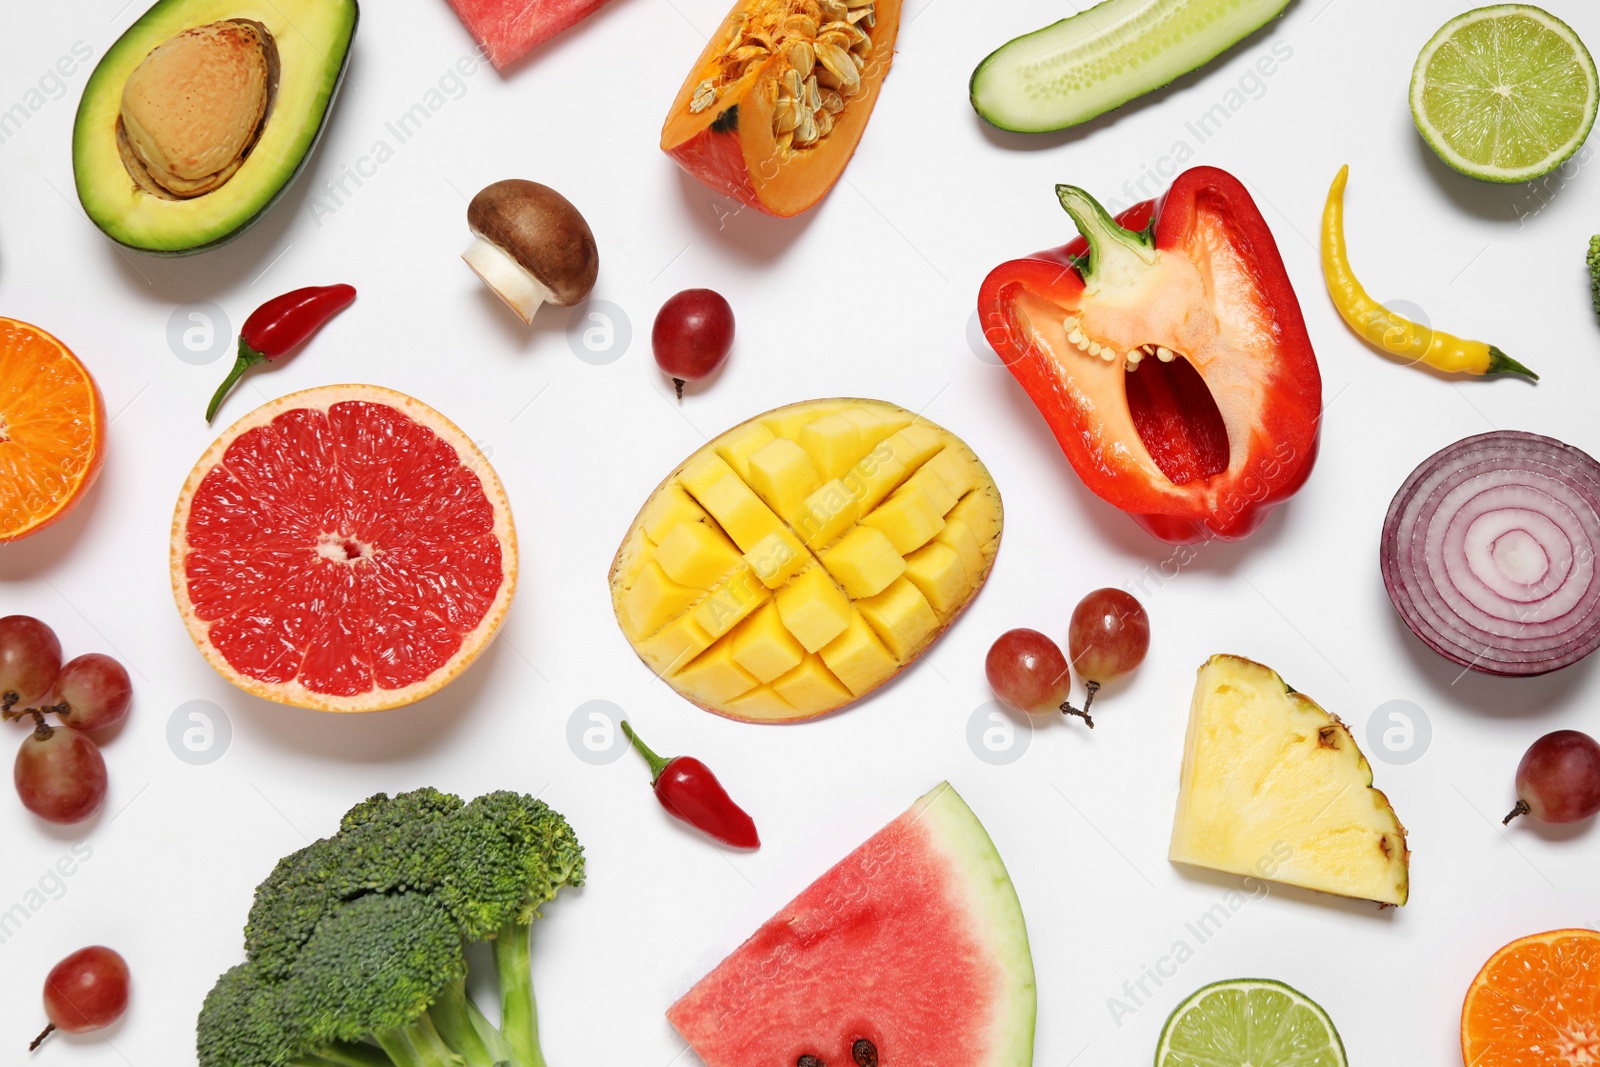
x,y
138,37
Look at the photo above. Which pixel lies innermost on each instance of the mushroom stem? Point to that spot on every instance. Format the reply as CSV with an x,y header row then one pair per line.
x,y
511,282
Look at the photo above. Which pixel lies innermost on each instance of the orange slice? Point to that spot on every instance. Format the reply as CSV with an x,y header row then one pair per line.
x,y
344,548
52,427
1536,1003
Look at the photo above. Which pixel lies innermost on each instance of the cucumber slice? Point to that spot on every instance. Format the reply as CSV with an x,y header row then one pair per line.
x,y
1101,58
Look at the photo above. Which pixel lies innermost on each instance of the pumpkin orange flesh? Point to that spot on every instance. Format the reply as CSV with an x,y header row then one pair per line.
x,y
731,145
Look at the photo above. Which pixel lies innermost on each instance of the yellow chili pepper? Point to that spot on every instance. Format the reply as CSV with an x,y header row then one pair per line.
x,y
1395,335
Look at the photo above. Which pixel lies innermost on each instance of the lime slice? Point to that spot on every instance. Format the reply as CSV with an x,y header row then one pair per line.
x,y
1505,93
1249,1022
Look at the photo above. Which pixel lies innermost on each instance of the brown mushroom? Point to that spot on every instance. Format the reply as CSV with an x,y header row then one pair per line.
x,y
531,246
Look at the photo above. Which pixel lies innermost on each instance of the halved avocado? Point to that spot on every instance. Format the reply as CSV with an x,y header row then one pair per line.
x,y
307,47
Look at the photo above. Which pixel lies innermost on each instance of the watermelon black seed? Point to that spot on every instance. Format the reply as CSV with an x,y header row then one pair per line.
x,y
807,1061
865,1053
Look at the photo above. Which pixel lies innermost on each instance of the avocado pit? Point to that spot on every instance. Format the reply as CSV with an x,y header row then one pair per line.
x,y
194,108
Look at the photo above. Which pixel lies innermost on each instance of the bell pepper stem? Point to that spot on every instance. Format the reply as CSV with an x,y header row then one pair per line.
x,y
657,764
248,357
1116,253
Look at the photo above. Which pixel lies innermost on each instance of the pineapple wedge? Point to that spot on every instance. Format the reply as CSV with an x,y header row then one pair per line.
x,y
1275,787
803,559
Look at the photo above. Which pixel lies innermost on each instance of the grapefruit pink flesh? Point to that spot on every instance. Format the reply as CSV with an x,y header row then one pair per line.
x,y
343,553
914,942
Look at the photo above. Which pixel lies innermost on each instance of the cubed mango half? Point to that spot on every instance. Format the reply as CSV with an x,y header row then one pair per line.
x,y
801,560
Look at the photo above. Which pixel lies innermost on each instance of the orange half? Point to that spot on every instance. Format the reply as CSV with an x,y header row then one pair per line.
x,y
52,427
1536,1003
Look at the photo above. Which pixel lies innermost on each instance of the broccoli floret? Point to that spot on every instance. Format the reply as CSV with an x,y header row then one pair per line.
x,y
1594,271
372,968
240,1025
288,906
404,811
244,1024
355,943
505,854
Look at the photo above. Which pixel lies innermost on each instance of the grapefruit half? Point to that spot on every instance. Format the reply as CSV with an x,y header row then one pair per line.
x,y
345,548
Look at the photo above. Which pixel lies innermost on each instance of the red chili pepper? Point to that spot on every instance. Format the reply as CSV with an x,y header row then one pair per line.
x,y
688,790
279,326
1167,351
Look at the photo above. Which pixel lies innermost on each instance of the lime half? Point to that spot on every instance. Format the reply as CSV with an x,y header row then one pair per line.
x,y
1505,93
1249,1022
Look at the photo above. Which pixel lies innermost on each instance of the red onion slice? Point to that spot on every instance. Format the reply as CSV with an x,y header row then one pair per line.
x,y
1489,553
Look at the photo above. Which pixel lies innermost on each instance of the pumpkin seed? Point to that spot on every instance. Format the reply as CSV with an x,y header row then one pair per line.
x,y
802,57
842,65
705,94
824,47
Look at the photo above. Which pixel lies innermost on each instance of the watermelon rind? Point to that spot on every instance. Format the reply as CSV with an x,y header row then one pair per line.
x,y
996,912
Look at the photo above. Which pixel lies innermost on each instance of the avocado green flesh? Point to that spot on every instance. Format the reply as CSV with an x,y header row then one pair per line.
x,y
313,41
1100,59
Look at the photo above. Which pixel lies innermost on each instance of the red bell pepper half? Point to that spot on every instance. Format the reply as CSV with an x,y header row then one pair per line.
x,y
1167,351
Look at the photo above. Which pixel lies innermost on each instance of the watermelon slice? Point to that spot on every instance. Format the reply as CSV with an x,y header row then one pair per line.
x,y
508,29
914,944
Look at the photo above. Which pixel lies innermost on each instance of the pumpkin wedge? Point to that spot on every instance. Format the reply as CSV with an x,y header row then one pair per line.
x,y
777,102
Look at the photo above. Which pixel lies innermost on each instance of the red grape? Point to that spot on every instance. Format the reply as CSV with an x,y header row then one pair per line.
x,y
86,991
1109,635
30,658
1558,779
1027,671
60,775
692,335
96,691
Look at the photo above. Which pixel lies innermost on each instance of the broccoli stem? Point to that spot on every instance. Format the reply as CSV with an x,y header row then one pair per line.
x,y
519,1018
463,1028
418,1045
345,1055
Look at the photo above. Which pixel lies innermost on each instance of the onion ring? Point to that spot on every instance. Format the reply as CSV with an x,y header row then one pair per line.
x,y
1489,553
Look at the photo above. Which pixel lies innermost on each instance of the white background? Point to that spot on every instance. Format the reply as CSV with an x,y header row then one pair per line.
x,y
870,294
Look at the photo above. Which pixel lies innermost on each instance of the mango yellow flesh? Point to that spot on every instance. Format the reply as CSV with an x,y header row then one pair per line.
x,y
1273,787
804,558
